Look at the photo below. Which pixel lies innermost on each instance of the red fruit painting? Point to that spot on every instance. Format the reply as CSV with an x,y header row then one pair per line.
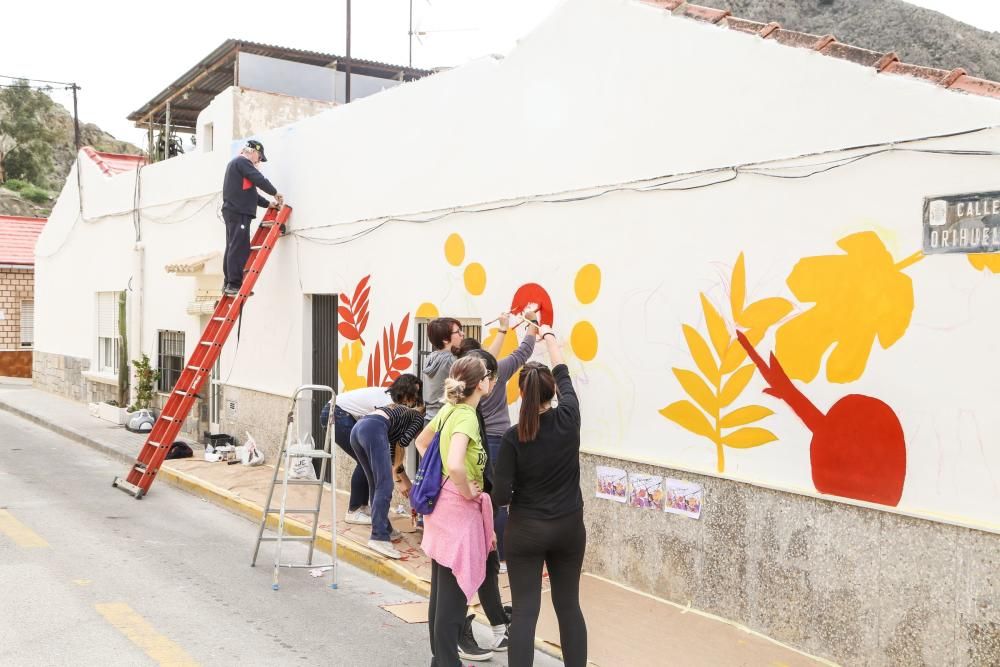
x,y
857,450
533,293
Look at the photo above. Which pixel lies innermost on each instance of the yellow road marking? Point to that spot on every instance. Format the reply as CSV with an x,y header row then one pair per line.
x,y
17,531
82,582
142,634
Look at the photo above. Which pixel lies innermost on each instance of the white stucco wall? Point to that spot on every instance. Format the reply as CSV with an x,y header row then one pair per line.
x,y
673,96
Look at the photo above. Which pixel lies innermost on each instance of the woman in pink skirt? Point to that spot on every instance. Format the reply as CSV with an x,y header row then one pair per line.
x,y
458,535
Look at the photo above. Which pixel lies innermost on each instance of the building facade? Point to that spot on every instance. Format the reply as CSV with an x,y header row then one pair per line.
x,y
750,244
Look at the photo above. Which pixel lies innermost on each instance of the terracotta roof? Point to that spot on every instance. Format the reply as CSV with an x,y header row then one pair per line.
x,y
192,264
885,63
114,163
17,239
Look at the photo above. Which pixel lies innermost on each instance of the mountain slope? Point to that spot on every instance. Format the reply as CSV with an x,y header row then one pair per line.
x,y
919,36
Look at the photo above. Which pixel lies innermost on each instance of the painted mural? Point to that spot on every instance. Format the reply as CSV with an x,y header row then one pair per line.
x,y
847,302
390,357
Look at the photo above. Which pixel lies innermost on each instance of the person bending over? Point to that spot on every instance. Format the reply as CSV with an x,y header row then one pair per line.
x,y
348,408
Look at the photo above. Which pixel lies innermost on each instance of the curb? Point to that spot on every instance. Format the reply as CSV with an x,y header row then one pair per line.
x,y
347,550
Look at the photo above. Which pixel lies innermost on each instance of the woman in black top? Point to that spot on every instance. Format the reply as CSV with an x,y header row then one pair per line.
x,y
538,475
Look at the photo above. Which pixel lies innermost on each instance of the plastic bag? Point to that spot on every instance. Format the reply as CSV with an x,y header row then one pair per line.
x,y
251,454
302,466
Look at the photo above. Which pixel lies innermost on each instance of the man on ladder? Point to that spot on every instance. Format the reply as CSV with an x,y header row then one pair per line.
x,y
240,201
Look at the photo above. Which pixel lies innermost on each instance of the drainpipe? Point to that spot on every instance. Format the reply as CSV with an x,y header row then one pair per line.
x,y
138,290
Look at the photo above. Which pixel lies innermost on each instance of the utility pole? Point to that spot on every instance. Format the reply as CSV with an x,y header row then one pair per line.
x,y
76,118
347,83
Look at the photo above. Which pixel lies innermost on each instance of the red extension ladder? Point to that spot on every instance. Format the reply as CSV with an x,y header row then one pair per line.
x,y
199,366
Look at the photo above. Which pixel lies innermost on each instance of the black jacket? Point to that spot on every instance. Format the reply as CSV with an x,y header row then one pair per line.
x,y
239,189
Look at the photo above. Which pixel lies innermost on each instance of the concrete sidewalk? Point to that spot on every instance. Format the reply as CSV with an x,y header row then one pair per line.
x,y
625,626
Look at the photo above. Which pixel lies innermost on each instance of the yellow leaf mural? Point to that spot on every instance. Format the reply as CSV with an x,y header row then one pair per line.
x,y
985,261
717,330
698,390
745,415
735,385
690,417
722,378
857,296
750,436
701,354
347,368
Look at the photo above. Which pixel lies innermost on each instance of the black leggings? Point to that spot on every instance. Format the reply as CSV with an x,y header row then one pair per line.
x,y
445,615
559,544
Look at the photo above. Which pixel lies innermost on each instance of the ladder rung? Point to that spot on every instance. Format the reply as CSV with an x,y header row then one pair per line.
x,y
305,482
277,510
207,342
298,538
219,319
167,418
197,369
256,247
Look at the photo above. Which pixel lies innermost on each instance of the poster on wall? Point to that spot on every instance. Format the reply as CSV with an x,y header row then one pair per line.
x,y
965,223
684,498
611,483
645,491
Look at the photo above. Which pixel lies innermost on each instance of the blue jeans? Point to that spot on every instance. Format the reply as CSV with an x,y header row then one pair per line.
x,y
343,422
370,441
500,514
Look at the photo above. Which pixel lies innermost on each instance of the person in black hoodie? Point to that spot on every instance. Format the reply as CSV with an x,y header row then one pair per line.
x,y
538,476
240,201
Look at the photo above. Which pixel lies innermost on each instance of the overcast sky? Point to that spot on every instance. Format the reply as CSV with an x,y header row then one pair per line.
x,y
123,53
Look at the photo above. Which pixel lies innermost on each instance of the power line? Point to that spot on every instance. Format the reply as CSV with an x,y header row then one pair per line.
x,y
663,183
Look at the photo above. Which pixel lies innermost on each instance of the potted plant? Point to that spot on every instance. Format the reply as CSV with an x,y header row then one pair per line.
x,y
145,382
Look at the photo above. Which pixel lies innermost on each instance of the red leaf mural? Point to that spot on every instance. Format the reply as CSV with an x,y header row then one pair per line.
x,y
858,449
353,312
391,353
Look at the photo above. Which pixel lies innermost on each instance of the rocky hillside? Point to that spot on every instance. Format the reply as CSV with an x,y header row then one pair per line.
x,y
920,36
60,121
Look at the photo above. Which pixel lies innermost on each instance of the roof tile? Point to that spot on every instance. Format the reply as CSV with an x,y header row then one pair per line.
x,y
854,54
704,13
743,25
976,86
17,239
794,38
889,63
114,163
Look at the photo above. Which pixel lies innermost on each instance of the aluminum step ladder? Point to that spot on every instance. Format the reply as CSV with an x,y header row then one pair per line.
x,y
327,455
198,368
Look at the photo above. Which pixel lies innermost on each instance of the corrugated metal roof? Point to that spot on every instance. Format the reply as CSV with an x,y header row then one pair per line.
x,y
17,239
886,63
199,85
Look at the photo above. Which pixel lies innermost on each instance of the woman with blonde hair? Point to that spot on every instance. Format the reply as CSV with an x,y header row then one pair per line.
x,y
458,534
538,475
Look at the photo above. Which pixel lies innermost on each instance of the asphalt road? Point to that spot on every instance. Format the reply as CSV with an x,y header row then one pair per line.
x,y
90,576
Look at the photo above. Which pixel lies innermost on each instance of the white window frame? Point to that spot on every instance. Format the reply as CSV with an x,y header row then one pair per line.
x,y
27,323
107,338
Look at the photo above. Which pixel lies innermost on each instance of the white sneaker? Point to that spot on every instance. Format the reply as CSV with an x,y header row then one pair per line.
x,y
384,548
358,518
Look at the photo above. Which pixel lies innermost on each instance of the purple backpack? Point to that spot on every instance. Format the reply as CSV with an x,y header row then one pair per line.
x,y
430,479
